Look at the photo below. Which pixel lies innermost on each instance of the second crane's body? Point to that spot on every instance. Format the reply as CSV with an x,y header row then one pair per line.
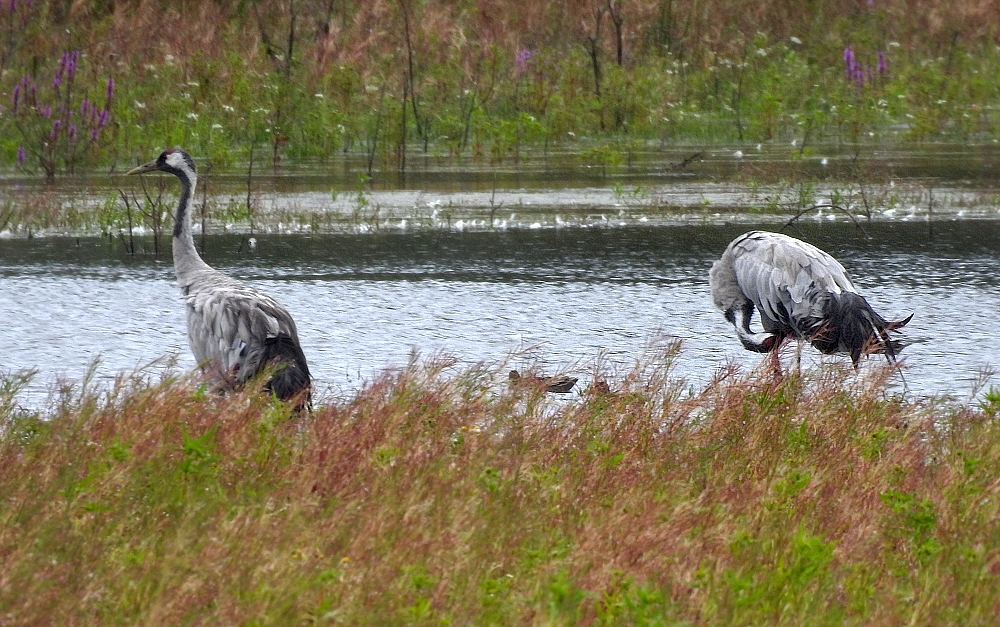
x,y
234,330
801,292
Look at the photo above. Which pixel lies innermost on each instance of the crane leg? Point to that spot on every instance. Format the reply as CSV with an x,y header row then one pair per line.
x,y
776,360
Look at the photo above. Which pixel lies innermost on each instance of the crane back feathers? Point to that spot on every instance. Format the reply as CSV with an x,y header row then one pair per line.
x,y
240,331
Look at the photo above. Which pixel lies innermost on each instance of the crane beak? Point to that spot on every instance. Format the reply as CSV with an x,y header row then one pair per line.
x,y
146,167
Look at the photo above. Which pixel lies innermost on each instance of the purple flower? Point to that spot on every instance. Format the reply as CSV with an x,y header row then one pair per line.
x,y
72,132
852,68
111,88
17,95
522,59
57,81
101,121
47,111
881,62
85,107
12,5
56,126
20,156
93,134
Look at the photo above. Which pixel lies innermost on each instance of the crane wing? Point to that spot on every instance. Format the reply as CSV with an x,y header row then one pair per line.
x,y
229,325
788,280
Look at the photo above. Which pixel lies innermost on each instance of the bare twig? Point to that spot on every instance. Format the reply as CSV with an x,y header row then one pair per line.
x,y
840,208
493,205
130,246
685,163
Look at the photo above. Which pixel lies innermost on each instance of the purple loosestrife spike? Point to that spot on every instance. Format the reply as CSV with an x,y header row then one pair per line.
x,y
20,156
93,134
101,121
12,5
56,125
47,111
16,96
111,89
85,107
523,58
56,81
881,62
72,132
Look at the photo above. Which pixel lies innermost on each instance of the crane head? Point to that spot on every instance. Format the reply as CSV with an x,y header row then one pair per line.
x,y
172,160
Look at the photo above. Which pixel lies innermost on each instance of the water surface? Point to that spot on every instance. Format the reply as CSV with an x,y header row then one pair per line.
x,y
557,299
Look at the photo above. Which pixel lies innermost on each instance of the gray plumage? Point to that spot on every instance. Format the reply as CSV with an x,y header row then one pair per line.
x,y
800,291
234,330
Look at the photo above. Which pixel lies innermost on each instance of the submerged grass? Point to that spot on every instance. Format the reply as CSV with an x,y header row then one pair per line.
x,y
440,496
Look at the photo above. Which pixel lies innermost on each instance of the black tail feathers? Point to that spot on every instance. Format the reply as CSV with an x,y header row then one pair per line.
x,y
291,380
851,326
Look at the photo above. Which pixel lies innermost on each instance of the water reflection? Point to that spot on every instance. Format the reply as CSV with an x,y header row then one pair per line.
x,y
363,303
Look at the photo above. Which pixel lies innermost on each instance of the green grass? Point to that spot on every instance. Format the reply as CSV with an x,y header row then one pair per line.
x,y
442,496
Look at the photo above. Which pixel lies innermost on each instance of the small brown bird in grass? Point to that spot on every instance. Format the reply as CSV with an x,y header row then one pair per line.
x,y
599,387
558,384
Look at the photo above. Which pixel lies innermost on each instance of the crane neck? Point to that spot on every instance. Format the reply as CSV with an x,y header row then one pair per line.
x,y
186,257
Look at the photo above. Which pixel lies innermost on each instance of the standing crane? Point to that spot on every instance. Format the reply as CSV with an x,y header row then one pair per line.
x,y
235,331
801,292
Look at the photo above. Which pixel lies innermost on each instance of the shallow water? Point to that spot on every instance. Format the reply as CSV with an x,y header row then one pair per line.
x,y
555,299
652,185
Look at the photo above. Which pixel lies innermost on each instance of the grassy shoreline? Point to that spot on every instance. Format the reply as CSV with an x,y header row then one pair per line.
x,y
97,84
436,496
